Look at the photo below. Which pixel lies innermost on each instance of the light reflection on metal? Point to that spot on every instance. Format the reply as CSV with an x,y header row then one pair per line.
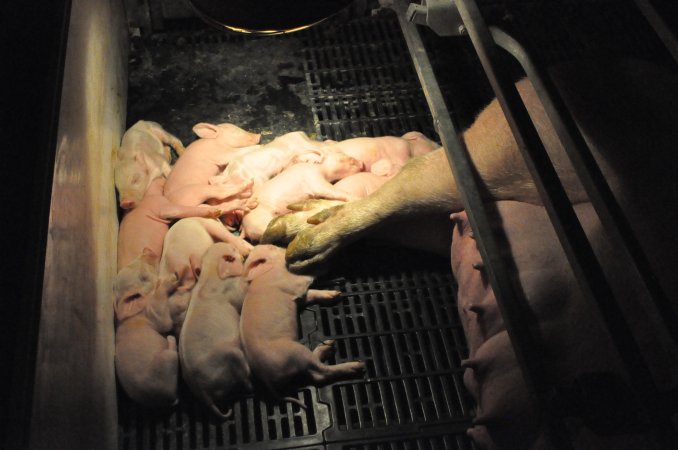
x,y
271,32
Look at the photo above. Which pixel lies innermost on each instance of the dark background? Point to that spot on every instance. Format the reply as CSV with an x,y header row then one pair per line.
x,y
33,49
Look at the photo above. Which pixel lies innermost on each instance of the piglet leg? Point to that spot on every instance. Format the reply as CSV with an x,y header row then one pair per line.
x,y
322,297
323,374
220,233
174,211
195,194
168,139
329,192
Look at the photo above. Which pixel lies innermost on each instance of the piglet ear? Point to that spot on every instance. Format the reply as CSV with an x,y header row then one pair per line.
x,y
310,156
131,304
256,268
229,266
186,276
149,256
382,168
206,130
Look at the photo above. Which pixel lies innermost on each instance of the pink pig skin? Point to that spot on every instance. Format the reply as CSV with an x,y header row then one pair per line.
x,y
185,243
268,326
144,155
270,159
187,183
279,229
146,225
429,232
576,342
146,359
212,360
385,155
298,182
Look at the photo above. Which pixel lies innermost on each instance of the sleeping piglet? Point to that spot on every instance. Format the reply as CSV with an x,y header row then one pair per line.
x,y
386,155
298,182
187,183
185,244
212,361
146,359
143,156
270,159
146,225
268,326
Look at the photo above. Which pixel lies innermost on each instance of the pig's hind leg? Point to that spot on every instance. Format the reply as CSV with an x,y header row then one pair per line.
x,y
323,374
195,194
167,139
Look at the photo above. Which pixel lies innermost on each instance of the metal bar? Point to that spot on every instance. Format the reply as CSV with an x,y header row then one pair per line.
x,y
520,323
659,25
578,250
603,200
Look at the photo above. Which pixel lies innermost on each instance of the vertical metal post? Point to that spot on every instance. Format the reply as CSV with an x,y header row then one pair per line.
x,y
659,25
519,321
578,250
599,193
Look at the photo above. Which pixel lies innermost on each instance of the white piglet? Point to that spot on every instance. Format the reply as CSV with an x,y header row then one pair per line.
x,y
268,326
212,360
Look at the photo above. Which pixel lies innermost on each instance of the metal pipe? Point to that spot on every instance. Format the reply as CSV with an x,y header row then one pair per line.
x,y
599,193
659,25
578,250
521,325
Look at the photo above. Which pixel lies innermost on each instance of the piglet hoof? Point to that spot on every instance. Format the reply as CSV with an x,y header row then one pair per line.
x,y
354,369
325,350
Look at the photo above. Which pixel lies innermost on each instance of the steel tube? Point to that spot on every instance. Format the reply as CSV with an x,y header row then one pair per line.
x,y
599,193
578,250
660,27
520,323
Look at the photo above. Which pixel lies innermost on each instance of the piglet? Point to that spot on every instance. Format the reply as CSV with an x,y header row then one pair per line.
x,y
212,361
185,243
146,225
187,184
270,159
146,359
268,326
386,155
143,156
298,182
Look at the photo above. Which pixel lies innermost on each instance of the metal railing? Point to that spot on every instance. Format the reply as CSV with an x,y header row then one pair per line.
x,y
520,323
